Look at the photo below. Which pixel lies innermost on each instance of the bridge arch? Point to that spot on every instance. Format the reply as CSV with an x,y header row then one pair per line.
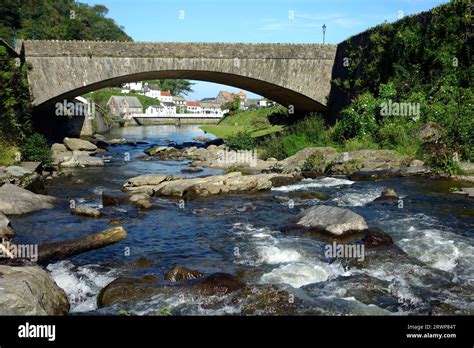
x,y
297,75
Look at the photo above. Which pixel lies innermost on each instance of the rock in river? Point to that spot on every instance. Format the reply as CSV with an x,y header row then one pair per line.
x,y
179,273
6,230
235,182
75,144
30,291
84,210
15,200
388,196
336,221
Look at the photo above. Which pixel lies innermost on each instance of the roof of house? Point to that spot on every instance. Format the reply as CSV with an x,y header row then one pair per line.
x,y
154,87
178,97
208,100
210,105
132,102
168,104
193,103
166,94
157,106
227,95
230,96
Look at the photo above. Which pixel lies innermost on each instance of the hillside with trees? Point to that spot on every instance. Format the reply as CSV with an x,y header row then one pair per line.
x,y
58,20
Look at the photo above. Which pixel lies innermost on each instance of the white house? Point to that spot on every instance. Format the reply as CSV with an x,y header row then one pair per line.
x,y
264,103
125,107
164,109
194,107
152,91
165,97
212,109
155,110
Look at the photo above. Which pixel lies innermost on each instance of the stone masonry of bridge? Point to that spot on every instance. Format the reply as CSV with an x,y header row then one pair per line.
x,y
290,74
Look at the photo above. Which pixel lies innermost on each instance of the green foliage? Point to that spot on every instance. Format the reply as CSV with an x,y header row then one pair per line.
x,y
232,106
292,143
426,59
310,131
36,148
57,19
442,159
260,123
359,143
242,140
8,155
358,120
15,107
176,87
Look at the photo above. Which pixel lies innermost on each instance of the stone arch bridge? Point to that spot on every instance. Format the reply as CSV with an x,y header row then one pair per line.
x,y
290,74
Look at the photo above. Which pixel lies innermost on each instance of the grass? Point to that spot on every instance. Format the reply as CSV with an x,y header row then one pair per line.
x,y
244,121
8,155
104,95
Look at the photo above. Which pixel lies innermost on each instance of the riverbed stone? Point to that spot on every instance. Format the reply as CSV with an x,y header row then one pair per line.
x,y
367,160
125,290
6,230
84,210
58,148
75,144
387,197
180,273
15,200
30,291
314,159
111,197
190,188
141,200
333,220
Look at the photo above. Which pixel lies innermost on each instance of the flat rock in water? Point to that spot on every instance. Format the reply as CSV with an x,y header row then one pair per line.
x,y
83,210
75,144
30,291
336,221
15,200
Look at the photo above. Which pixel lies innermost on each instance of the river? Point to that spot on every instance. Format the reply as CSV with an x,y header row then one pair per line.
x,y
244,234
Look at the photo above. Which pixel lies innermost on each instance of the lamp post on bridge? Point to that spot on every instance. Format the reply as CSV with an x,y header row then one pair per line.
x,y
324,34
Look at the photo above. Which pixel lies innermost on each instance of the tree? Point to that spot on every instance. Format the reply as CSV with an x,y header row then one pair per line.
x,y
232,105
176,87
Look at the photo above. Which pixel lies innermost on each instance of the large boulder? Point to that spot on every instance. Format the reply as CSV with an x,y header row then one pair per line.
x,y
333,220
75,144
6,230
309,159
123,290
179,273
430,132
15,200
367,160
58,148
17,171
78,159
30,291
235,182
218,284
126,290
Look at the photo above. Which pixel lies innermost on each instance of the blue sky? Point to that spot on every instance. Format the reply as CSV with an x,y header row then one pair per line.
x,y
292,21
